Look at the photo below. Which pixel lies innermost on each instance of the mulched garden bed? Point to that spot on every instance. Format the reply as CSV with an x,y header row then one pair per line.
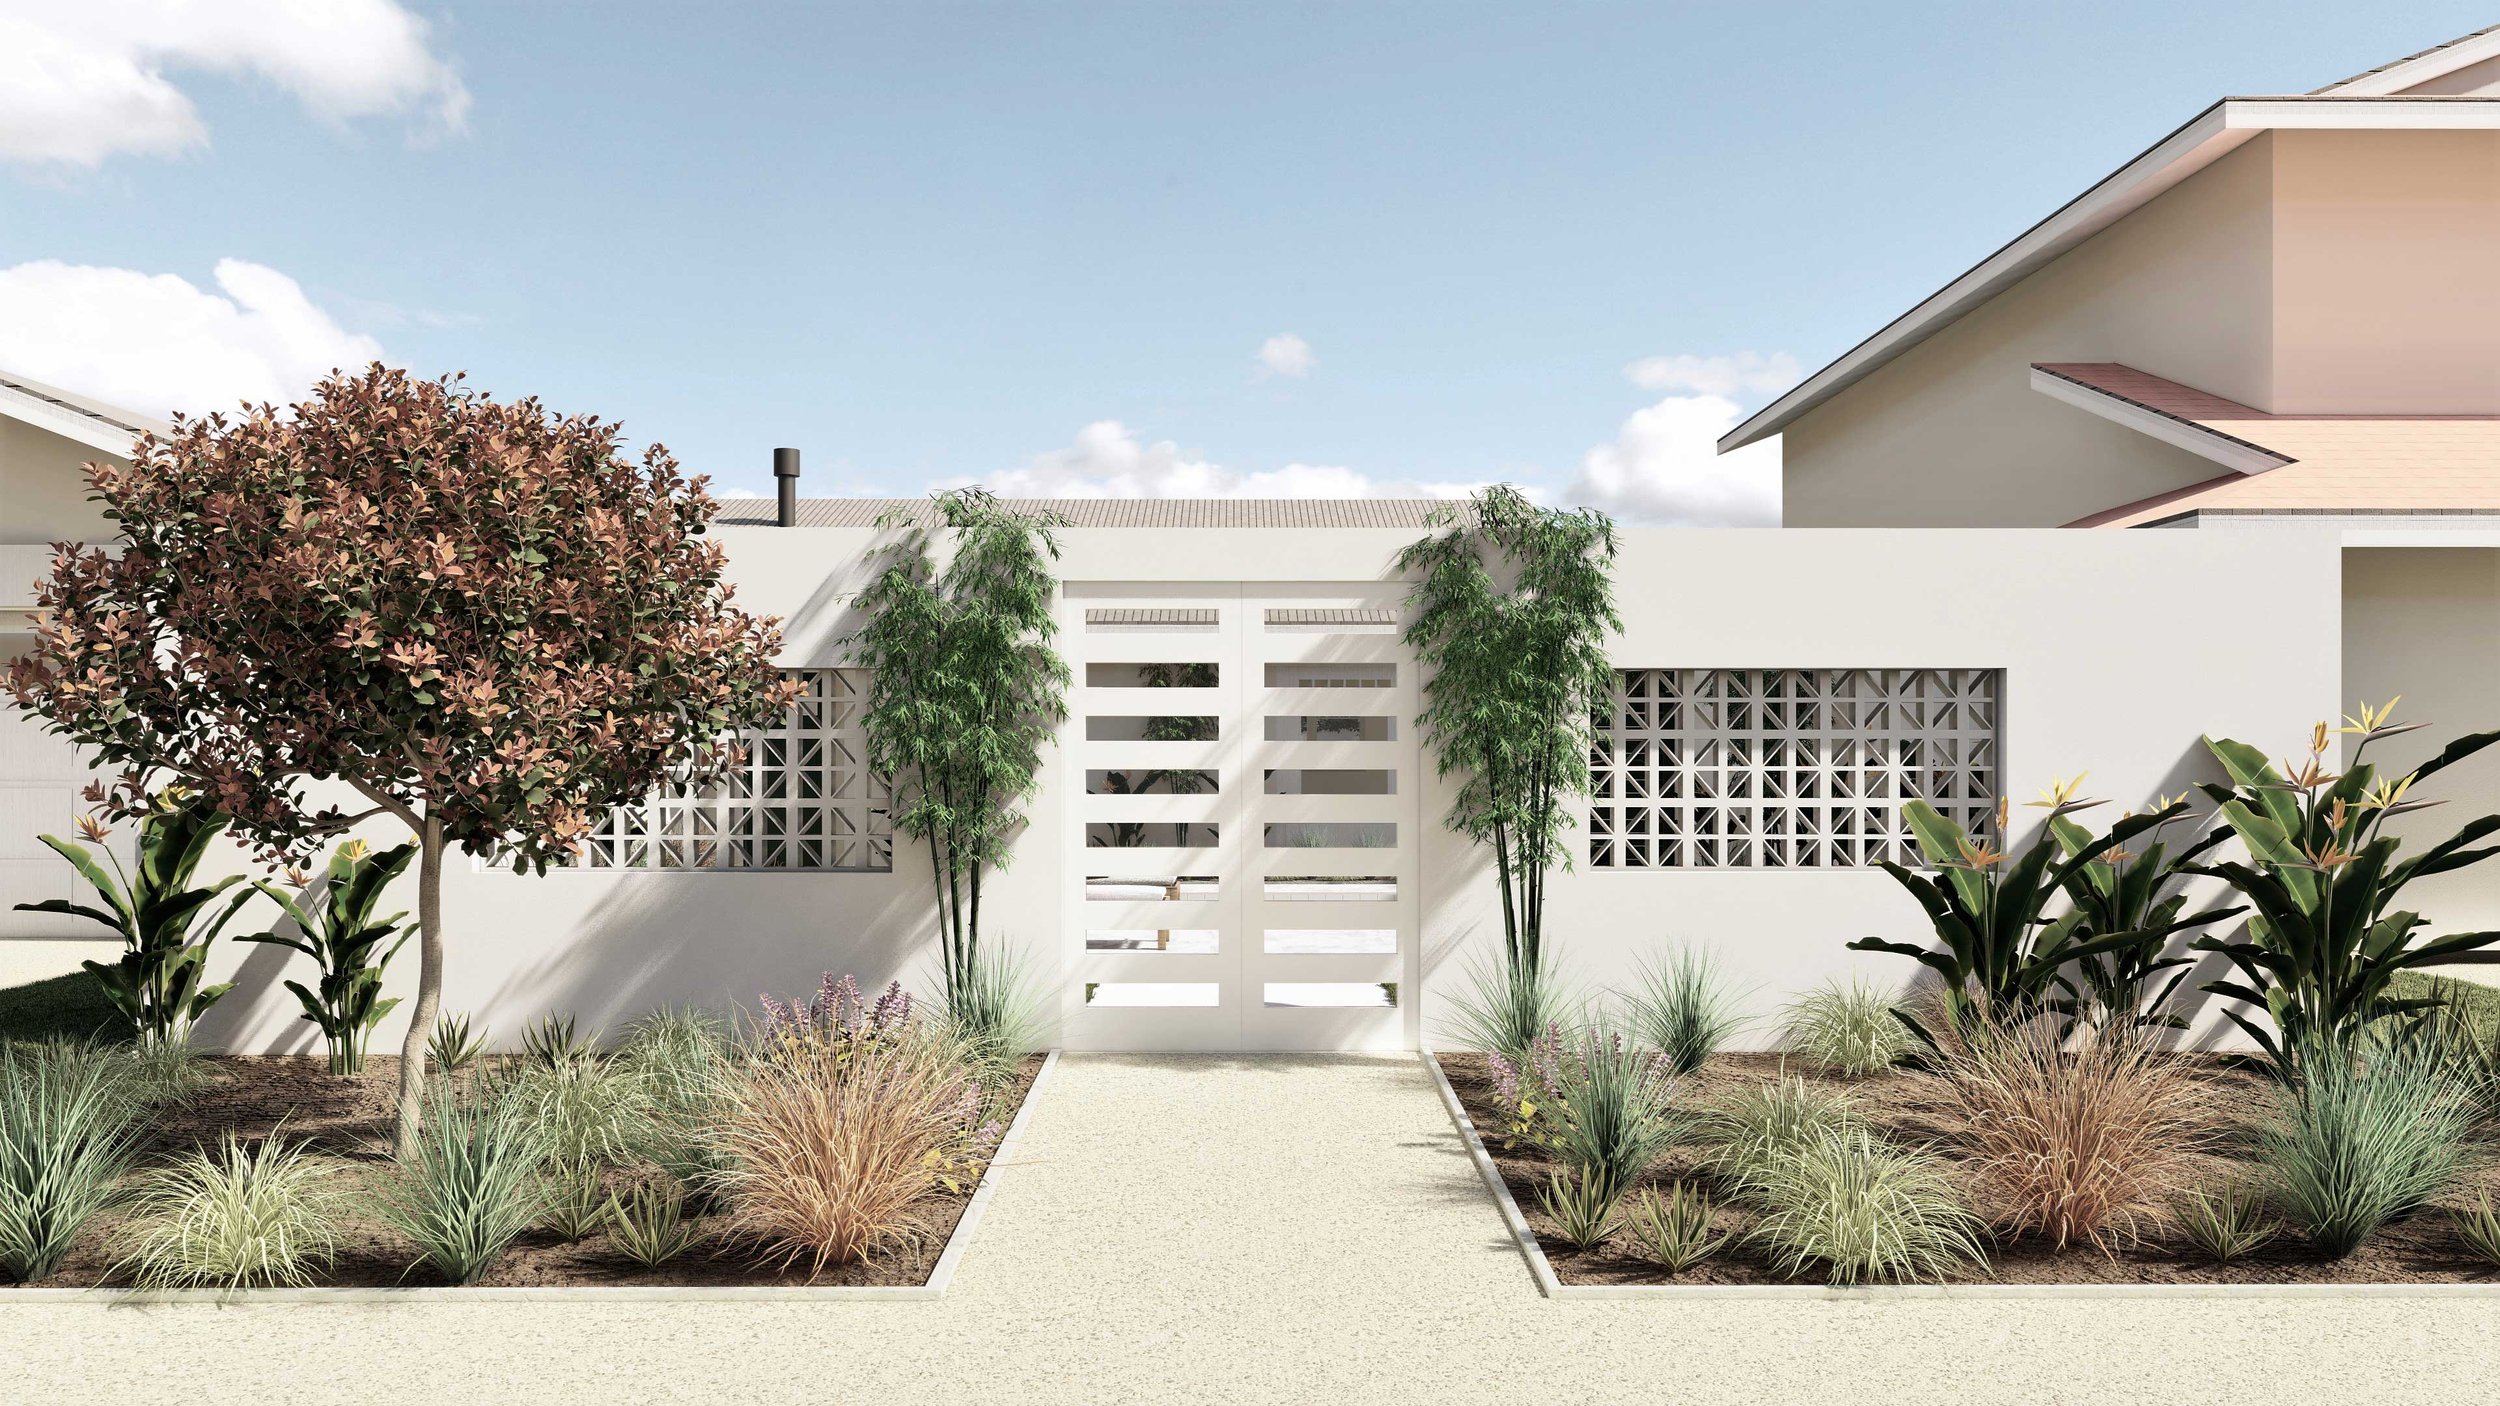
x,y
349,1119
1909,1107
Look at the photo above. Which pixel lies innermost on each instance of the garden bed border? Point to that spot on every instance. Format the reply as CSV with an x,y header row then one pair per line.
x,y
1551,1286
941,1275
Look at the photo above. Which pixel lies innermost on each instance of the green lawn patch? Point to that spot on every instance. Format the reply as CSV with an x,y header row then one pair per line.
x,y
68,1007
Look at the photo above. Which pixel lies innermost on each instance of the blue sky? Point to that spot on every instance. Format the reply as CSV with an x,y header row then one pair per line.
x,y
931,241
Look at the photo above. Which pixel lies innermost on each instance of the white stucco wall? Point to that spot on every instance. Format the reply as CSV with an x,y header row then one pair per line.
x,y
2424,622
2119,649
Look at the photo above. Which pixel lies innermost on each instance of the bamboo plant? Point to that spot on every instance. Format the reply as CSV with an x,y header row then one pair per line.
x,y
1512,604
965,687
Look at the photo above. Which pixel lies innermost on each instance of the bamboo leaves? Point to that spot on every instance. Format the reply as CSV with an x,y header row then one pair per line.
x,y
966,686
1511,605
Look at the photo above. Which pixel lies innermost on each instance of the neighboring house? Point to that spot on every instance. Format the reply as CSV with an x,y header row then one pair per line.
x,y
45,434
2282,318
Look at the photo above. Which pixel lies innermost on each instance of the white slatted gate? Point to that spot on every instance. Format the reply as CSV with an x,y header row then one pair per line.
x,y
1242,858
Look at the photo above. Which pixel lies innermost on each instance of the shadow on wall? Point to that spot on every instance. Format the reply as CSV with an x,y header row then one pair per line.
x,y
661,940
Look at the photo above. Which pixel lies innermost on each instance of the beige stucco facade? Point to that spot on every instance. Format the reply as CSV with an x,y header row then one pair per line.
x,y
43,491
2320,271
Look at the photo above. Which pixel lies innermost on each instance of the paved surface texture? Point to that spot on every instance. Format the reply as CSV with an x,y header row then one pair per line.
x,y
1255,1230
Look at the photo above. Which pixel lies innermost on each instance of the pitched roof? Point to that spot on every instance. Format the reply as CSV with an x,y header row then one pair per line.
x,y
2320,463
2386,97
2423,66
1405,513
93,423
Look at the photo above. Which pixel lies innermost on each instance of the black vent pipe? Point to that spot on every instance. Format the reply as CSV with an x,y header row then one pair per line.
x,y
786,478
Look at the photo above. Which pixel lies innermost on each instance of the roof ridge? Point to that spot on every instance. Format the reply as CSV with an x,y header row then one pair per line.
x,y
2400,62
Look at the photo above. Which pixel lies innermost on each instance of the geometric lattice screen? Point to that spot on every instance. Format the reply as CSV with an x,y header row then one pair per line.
x,y
1788,768
805,799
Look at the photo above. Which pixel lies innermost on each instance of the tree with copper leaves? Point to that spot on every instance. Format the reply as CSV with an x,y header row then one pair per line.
x,y
478,618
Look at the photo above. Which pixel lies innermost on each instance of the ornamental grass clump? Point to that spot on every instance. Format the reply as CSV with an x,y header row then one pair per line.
x,y
839,1117
1614,1116
592,1111
680,1058
473,1184
1501,1009
1763,1123
2081,1141
2369,1133
67,1124
1684,1009
1847,1028
1862,1210
997,1011
1674,1229
234,1218
648,1225
2225,1224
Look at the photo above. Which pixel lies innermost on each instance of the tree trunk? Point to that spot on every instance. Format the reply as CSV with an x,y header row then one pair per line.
x,y
429,987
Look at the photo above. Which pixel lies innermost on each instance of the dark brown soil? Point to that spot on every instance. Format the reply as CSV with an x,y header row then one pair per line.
x,y
1909,1107
350,1118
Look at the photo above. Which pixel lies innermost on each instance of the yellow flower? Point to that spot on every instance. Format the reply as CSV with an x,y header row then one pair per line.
x,y
2060,791
2317,740
353,850
2371,719
2387,795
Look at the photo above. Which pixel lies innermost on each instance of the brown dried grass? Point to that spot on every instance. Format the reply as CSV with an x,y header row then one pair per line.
x,y
829,1140
2081,1140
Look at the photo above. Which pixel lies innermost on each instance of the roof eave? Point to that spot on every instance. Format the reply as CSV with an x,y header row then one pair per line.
x,y
2233,453
93,423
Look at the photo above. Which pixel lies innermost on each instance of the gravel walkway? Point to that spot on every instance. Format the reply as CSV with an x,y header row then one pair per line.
x,y
1301,1229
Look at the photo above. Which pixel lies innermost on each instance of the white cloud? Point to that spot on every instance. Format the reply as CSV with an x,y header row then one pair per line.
x,y
1663,466
1286,355
156,343
87,80
1109,461
1739,374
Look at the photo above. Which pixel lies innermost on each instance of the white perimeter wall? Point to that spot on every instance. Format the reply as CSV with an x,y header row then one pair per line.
x,y
2424,622
2119,649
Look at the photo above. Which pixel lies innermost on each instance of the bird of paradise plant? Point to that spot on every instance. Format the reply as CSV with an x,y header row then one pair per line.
x,y
1997,949
2326,942
2137,893
161,918
341,934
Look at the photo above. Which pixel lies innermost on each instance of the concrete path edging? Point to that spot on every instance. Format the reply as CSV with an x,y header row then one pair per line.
x,y
941,1275
1551,1286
